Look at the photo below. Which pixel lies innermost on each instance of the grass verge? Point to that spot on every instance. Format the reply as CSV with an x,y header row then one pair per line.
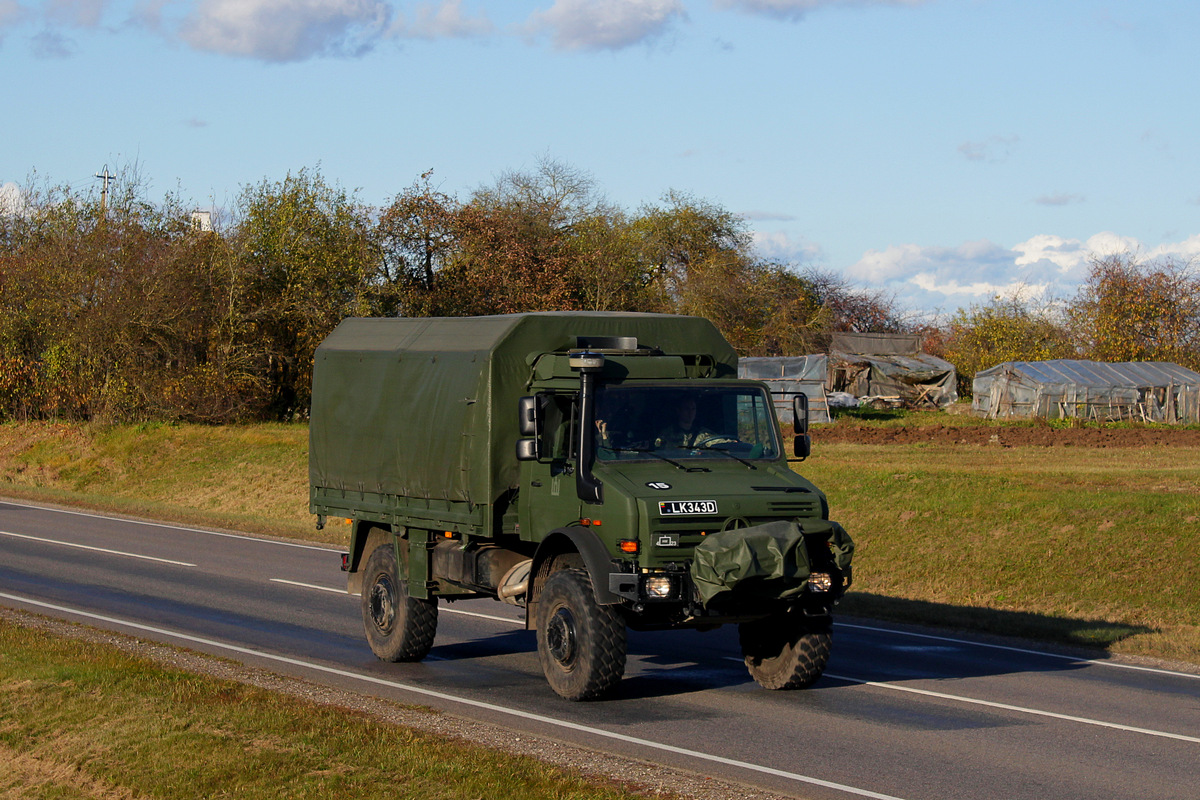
x,y
252,478
1086,546
87,720
90,721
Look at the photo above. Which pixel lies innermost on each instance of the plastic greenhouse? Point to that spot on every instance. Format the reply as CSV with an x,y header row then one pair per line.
x,y
1143,391
789,376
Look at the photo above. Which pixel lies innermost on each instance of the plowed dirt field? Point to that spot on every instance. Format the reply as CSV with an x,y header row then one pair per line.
x,y
1008,436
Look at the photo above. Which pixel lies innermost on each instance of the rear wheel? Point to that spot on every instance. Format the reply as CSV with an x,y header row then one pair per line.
x,y
786,653
399,627
581,644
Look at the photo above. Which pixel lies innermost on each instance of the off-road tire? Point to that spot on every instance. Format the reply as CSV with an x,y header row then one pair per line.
x,y
785,653
581,644
399,627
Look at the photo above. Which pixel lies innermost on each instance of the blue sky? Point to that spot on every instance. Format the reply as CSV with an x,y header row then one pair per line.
x,y
942,150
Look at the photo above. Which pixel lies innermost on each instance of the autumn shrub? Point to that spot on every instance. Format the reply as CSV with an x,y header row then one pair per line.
x,y
1131,310
1011,328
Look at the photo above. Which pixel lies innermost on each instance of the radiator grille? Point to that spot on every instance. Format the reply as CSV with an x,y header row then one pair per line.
x,y
796,507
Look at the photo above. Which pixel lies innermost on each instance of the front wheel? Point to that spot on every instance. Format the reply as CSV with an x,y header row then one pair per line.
x,y
399,627
581,644
785,653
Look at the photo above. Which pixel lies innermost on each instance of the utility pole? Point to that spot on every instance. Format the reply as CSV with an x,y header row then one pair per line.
x,y
107,178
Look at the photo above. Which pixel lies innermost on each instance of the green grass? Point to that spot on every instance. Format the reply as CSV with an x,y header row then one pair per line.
x,y
88,721
1094,546
253,478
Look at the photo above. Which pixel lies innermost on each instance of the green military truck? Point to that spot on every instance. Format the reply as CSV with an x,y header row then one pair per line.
x,y
603,471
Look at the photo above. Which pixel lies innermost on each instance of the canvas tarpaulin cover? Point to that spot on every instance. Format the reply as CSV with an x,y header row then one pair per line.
x,y
767,561
1148,391
427,407
890,366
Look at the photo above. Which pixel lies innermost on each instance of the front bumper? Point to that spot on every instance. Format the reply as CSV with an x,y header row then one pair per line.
x,y
648,607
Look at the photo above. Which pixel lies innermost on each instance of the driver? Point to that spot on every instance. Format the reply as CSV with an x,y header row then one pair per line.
x,y
684,432
610,416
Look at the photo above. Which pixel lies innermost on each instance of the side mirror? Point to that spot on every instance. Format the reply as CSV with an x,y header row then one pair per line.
x,y
527,449
802,446
527,411
800,412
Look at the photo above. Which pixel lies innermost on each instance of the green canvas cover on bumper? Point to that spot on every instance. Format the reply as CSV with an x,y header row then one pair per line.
x,y
767,561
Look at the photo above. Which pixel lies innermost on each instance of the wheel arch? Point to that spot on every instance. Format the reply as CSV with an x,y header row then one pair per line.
x,y
573,540
365,536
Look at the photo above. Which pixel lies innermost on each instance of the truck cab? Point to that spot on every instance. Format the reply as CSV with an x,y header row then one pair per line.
x,y
660,456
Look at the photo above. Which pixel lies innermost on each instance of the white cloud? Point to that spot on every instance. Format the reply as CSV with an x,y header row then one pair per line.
x,y
1046,266
11,13
611,25
944,278
444,21
12,199
148,14
1187,250
979,291
1070,256
77,13
1065,254
901,263
975,273
286,30
796,9
779,246
296,30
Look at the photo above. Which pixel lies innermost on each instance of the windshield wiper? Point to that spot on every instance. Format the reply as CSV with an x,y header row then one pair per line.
x,y
731,455
660,456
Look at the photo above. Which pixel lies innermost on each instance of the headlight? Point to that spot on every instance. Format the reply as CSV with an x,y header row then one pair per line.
x,y
659,587
820,582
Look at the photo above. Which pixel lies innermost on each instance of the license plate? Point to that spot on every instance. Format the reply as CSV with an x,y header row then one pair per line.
x,y
668,508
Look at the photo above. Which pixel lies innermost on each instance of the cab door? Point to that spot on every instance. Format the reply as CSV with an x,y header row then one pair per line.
x,y
548,496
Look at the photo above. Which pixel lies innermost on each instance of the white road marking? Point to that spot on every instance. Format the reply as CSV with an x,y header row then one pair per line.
x,y
1005,706
330,549
909,689
481,616
441,609
1023,651
492,707
95,549
309,586
1019,709
921,648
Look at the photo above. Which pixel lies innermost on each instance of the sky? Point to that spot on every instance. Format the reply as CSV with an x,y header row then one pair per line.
x,y
943,152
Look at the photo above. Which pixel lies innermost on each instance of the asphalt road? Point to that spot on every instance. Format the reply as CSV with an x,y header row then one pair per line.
x,y
898,714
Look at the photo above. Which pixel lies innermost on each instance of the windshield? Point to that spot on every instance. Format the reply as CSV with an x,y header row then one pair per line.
x,y
696,422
